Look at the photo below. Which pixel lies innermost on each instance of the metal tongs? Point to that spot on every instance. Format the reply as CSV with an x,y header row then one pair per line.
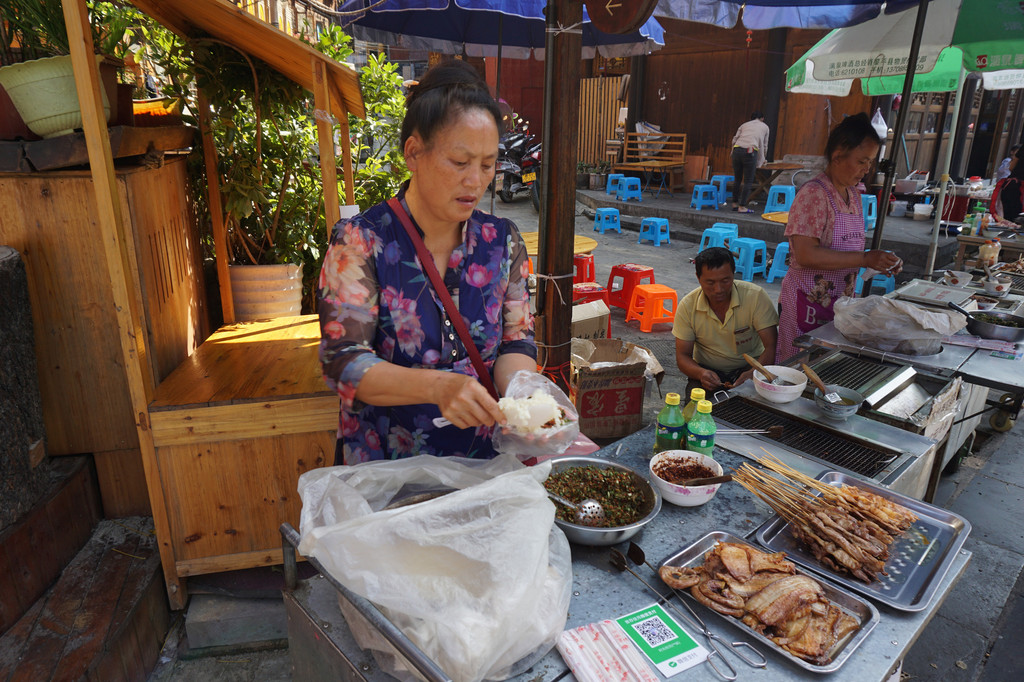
x,y
636,555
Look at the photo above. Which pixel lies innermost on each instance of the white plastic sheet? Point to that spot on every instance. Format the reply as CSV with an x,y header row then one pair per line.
x,y
479,578
894,326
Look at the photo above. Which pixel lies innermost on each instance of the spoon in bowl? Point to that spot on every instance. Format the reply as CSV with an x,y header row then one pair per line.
x,y
588,512
769,377
830,396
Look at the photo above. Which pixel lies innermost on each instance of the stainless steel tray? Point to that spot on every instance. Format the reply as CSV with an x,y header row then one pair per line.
x,y
865,612
918,561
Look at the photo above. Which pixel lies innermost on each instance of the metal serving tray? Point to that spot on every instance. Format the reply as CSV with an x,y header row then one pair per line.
x,y
919,558
865,612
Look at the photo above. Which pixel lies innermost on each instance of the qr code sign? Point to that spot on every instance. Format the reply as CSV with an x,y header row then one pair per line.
x,y
654,631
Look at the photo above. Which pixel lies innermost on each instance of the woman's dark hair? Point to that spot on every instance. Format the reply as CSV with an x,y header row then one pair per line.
x,y
849,134
445,91
713,258
756,115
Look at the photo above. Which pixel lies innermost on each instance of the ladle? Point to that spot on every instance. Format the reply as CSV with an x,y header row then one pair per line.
x,y
771,378
832,396
588,512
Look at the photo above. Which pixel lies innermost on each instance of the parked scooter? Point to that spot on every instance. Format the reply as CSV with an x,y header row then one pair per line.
x,y
519,178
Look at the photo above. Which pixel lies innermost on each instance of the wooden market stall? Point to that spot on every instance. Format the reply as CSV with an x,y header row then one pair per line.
x,y
225,436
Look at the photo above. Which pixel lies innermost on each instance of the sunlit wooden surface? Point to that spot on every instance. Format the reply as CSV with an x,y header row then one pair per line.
x,y
580,245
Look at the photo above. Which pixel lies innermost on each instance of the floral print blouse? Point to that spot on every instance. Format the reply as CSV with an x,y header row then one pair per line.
x,y
376,304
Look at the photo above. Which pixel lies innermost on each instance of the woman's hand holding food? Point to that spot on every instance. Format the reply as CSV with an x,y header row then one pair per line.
x,y
883,261
465,402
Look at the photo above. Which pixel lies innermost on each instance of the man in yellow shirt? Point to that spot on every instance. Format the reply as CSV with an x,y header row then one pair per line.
x,y
719,321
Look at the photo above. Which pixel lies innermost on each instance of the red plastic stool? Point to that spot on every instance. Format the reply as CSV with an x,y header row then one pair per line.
x,y
648,305
583,264
631,274
585,292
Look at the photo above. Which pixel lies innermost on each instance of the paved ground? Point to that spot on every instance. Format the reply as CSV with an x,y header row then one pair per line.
x,y
976,634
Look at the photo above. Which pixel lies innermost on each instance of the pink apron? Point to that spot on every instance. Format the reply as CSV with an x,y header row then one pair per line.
x,y
807,294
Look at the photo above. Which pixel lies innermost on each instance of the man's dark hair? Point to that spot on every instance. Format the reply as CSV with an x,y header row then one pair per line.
x,y
850,134
756,115
714,257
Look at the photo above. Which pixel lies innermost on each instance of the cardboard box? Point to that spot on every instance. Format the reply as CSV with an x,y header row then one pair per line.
x,y
590,320
609,397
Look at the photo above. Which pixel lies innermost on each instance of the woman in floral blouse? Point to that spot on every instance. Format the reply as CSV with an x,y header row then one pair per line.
x,y
826,236
387,345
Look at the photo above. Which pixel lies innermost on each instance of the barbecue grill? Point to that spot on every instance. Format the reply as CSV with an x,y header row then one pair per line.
x,y
811,443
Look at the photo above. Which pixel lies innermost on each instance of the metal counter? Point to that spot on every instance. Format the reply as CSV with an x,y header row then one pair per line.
x,y
322,648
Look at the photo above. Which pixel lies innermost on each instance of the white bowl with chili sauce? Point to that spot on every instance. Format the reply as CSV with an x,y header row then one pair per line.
x,y
670,467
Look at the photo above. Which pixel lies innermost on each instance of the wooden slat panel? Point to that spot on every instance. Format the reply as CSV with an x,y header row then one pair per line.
x,y
122,480
50,219
247,420
230,562
233,496
599,108
169,256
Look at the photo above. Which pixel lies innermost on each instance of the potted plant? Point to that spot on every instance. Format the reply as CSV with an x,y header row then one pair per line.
x,y
582,175
269,174
35,66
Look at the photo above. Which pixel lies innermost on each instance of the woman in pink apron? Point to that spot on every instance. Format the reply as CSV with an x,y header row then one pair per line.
x,y
826,236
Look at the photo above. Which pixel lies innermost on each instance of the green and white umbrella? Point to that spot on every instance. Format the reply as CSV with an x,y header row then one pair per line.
x,y
956,37
983,36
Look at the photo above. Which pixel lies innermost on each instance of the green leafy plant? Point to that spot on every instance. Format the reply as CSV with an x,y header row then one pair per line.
x,y
33,29
267,146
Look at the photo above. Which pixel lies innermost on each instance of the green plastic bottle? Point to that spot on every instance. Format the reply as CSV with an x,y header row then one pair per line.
x,y
671,432
700,431
696,395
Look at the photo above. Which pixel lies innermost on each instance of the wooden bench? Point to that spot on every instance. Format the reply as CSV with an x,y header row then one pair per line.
x,y
650,153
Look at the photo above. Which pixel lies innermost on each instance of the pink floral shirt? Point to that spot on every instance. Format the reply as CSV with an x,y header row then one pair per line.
x,y
377,305
811,213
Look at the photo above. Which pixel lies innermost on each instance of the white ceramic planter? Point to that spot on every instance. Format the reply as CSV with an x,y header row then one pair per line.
x,y
43,91
262,292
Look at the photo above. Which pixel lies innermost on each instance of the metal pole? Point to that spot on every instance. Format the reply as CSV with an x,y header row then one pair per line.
x,y
901,118
944,177
497,96
563,47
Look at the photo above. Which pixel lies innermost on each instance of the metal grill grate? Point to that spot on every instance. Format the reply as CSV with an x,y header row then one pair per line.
x,y
848,453
850,372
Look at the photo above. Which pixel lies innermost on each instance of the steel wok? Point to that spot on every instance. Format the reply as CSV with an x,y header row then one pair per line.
x,y
988,330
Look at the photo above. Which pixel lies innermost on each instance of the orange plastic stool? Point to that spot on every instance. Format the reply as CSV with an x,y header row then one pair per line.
x,y
631,274
648,305
583,264
585,292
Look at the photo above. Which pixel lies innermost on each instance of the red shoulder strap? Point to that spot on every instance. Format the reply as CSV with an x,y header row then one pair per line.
x,y
427,263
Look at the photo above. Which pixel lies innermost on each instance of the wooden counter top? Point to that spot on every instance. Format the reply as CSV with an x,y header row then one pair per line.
x,y
247,362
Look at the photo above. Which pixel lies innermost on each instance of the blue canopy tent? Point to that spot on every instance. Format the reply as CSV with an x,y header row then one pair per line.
x,y
485,28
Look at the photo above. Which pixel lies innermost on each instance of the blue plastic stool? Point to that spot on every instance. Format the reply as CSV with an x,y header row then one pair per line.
x,y
779,267
613,183
869,206
607,219
886,282
780,198
721,182
629,188
704,195
655,230
715,236
733,228
752,257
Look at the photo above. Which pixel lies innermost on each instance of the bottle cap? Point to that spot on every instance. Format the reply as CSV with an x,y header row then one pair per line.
x,y
671,398
697,394
704,406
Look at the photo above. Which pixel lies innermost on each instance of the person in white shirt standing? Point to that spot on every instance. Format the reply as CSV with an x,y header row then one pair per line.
x,y
749,146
